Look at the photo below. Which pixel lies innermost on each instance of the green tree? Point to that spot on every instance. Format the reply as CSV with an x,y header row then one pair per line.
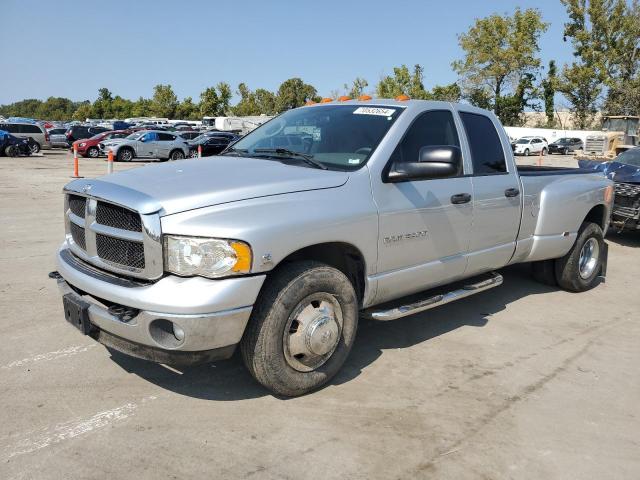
x,y
187,110
549,85
446,93
224,97
582,86
83,112
605,35
209,101
294,93
357,87
498,52
164,102
403,82
266,102
141,108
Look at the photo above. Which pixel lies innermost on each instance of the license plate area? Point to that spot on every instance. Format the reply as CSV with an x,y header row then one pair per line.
x,y
76,312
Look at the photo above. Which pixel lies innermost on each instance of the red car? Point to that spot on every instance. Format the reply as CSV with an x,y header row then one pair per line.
x,y
88,147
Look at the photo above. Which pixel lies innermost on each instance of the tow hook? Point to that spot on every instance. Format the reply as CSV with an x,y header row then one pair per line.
x,y
55,275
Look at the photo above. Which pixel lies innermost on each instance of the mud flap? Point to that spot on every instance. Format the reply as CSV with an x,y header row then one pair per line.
x,y
605,260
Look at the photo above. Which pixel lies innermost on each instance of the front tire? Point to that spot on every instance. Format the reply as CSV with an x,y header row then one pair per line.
x,y
579,269
544,152
301,329
124,155
526,152
34,148
93,152
176,155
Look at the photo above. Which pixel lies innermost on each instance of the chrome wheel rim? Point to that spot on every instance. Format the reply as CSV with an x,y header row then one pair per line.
x,y
34,148
93,152
589,256
126,155
312,332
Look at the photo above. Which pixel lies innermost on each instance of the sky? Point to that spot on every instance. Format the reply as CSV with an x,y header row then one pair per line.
x,y
73,48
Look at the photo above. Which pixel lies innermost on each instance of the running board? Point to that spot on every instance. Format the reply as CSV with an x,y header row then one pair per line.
x,y
435,301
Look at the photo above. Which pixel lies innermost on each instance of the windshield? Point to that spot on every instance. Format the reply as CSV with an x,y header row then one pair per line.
x,y
522,141
563,140
341,137
136,135
630,157
628,125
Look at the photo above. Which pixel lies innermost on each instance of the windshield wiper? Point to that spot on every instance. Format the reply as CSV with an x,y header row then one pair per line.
x,y
237,151
290,153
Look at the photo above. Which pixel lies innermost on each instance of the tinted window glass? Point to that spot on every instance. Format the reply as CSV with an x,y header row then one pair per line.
x,y
432,128
32,129
11,128
166,137
487,155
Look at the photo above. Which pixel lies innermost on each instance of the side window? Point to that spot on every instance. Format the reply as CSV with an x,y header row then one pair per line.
x,y
165,137
432,128
487,154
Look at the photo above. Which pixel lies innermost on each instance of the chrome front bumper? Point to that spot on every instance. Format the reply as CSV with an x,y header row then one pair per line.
x,y
212,313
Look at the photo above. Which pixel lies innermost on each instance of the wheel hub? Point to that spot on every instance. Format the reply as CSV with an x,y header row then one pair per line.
x,y
589,256
312,332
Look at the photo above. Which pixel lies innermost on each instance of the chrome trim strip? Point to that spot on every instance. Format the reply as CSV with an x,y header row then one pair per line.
x,y
131,199
116,232
75,218
434,301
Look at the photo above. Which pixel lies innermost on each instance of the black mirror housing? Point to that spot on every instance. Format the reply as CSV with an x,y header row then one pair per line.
x,y
437,161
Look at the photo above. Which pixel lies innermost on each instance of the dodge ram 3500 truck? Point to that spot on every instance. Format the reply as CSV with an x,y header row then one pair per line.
x,y
326,213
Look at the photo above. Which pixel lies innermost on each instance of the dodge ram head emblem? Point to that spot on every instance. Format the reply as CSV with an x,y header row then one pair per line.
x,y
86,188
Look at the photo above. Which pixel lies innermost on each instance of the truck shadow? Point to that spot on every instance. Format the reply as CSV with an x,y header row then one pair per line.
x,y
625,239
229,380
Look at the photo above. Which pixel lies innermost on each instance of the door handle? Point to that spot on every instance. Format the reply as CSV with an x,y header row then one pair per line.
x,y
511,192
459,198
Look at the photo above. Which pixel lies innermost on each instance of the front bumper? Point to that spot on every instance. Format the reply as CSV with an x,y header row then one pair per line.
x,y
212,313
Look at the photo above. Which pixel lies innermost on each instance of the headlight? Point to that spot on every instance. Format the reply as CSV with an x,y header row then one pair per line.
x,y
82,144
206,257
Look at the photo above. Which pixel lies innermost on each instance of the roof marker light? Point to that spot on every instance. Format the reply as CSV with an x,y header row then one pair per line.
x,y
363,98
402,98
326,100
344,98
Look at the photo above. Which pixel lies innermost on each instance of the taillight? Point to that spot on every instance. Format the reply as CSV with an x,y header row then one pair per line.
x,y
46,136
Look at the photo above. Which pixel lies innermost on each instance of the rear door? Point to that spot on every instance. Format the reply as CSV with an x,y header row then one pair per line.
x,y
496,193
164,144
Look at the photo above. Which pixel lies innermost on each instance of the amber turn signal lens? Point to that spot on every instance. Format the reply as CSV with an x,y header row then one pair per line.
x,y
363,98
243,254
402,98
326,100
344,98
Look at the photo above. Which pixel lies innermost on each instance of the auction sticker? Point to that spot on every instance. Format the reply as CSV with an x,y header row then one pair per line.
x,y
382,112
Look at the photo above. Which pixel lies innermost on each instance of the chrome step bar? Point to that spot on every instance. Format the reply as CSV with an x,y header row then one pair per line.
x,y
435,301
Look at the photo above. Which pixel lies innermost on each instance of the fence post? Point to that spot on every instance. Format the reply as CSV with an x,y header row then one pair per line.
x,y
199,151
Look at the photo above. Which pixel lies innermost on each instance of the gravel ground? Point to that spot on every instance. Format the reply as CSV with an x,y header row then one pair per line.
x,y
523,381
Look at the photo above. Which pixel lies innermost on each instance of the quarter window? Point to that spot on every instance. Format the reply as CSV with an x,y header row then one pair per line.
x,y
487,154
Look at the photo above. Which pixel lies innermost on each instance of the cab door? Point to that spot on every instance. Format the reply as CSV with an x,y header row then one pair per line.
x,y
424,225
496,193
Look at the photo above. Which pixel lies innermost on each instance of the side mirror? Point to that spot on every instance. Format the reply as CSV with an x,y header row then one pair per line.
x,y
440,161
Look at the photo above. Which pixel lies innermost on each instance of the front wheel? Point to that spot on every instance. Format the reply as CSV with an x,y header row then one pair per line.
x,y
526,152
579,269
544,152
93,152
124,155
301,329
177,155
34,147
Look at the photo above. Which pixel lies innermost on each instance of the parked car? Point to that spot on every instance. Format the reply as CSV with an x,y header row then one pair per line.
x,y
79,132
29,130
280,251
58,138
625,171
12,146
88,147
210,145
531,145
188,135
565,145
147,144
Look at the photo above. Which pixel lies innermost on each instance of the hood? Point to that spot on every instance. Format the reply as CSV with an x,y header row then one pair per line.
x,y
175,187
616,171
113,141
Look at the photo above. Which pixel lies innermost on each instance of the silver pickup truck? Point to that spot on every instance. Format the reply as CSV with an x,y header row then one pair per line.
x,y
326,213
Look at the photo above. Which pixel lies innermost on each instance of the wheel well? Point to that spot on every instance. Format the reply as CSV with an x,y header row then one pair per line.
x,y
598,215
342,256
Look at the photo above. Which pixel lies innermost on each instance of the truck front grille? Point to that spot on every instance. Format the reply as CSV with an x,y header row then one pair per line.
x,y
114,238
627,195
77,205
122,252
77,233
118,217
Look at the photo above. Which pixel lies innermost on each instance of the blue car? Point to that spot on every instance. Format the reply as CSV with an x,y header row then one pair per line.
x,y
12,146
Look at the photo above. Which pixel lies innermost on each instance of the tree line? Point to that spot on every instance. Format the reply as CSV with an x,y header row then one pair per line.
x,y
500,70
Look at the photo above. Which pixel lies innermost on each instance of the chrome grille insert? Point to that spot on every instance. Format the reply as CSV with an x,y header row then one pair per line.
x,y
112,237
122,252
77,205
118,217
